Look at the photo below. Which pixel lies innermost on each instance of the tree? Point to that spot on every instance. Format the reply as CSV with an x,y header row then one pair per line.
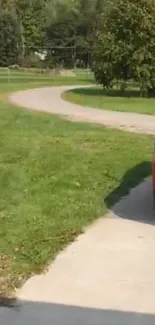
x,y
10,40
126,44
69,24
61,32
32,21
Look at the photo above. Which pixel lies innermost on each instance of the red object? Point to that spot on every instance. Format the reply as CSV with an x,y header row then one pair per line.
x,y
153,173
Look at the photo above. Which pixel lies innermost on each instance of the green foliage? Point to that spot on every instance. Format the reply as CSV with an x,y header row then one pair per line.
x,y
70,24
26,19
32,20
117,36
54,25
126,44
32,61
10,40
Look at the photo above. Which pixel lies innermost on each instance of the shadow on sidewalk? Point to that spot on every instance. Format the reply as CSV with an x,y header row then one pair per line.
x,y
40,313
137,203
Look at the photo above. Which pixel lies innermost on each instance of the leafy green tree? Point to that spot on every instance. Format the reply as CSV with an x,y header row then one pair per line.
x,y
10,38
69,24
61,32
66,29
126,44
32,21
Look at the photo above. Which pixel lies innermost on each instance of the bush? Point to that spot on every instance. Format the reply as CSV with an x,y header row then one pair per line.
x,y
32,61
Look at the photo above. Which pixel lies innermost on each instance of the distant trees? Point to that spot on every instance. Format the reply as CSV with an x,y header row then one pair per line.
x,y
22,24
32,20
10,38
71,24
65,28
115,37
61,32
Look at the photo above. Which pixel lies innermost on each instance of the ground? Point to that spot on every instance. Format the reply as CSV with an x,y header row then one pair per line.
x,y
50,100
105,277
114,100
55,176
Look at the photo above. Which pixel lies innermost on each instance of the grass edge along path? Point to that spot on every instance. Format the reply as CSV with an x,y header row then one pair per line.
x,y
55,176
96,97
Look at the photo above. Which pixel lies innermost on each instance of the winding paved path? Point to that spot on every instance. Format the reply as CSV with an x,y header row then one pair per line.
x,y
49,100
107,276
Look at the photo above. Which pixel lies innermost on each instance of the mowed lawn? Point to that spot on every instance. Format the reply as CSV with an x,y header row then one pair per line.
x,y
55,176
26,78
114,100
21,83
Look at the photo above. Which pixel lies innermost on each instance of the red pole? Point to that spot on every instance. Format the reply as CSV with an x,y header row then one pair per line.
x,y
153,170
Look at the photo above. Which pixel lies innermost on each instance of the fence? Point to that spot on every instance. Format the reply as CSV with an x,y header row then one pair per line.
x,y
8,75
46,63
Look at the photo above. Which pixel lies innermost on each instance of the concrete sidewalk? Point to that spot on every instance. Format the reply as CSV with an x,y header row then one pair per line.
x,y
106,277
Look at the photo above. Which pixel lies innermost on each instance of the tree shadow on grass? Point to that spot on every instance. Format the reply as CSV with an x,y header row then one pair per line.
x,y
138,205
96,92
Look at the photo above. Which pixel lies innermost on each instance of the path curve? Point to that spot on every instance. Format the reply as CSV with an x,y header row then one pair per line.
x,y
50,100
107,276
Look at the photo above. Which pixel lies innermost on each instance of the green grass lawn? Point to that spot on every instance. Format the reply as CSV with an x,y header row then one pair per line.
x,y
29,76
112,100
55,176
